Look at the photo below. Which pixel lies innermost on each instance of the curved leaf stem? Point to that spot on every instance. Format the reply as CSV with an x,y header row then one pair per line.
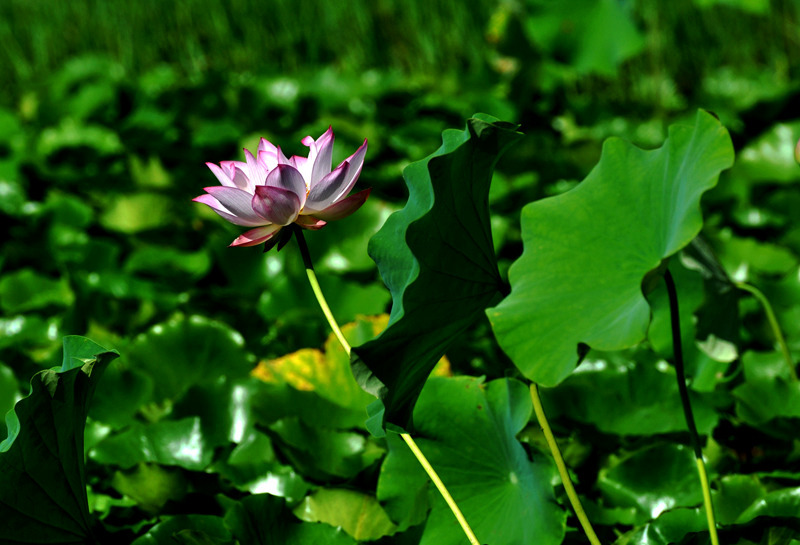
x,y
412,445
773,322
677,350
562,467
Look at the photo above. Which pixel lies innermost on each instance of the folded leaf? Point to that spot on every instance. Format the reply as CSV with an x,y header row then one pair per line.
x,y
42,480
436,257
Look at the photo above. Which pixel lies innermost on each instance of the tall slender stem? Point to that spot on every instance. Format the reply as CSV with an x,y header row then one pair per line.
x,y
412,445
677,350
562,467
773,322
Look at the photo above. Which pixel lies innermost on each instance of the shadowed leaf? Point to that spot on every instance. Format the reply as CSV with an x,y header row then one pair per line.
x,y
437,258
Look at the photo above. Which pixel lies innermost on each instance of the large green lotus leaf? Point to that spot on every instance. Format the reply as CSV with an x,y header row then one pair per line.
x,y
467,429
186,351
169,442
264,519
653,480
357,513
625,394
188,530
42,479
587,251
767,392
436,257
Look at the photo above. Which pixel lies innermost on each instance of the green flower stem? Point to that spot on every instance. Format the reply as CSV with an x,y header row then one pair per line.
x,y
687,407
773,322
412,445
562,467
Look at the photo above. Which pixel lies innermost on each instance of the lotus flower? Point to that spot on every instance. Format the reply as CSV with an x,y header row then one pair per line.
x,y
269,191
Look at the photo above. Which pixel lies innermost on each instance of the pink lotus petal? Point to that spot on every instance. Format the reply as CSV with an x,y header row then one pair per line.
x,y
256,172
266,145
235,170
320,156
280,157
256,236
278,205
345,207
303,165
310,222
268,154
237,202
221,175
215,205
289,178
325,192
356,162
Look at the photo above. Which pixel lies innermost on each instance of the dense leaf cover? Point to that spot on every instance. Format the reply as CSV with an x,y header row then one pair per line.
x,y
232,416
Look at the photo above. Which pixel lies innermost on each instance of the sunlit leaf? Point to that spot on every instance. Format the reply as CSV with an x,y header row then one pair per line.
x,y
180,443
653,480
437,258
587,251
770,157
254,466
358,514
326,373
130,214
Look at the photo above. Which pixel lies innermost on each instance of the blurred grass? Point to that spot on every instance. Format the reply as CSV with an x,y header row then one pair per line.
x,y
196,36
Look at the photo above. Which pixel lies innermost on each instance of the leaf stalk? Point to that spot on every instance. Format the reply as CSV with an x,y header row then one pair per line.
x,y
773,322
574,500
677,350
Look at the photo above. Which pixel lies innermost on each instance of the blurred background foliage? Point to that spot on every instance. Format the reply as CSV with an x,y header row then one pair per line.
x,y
109,110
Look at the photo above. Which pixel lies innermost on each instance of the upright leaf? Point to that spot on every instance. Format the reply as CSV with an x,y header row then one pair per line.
x,y
42,480
436,257
587,251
